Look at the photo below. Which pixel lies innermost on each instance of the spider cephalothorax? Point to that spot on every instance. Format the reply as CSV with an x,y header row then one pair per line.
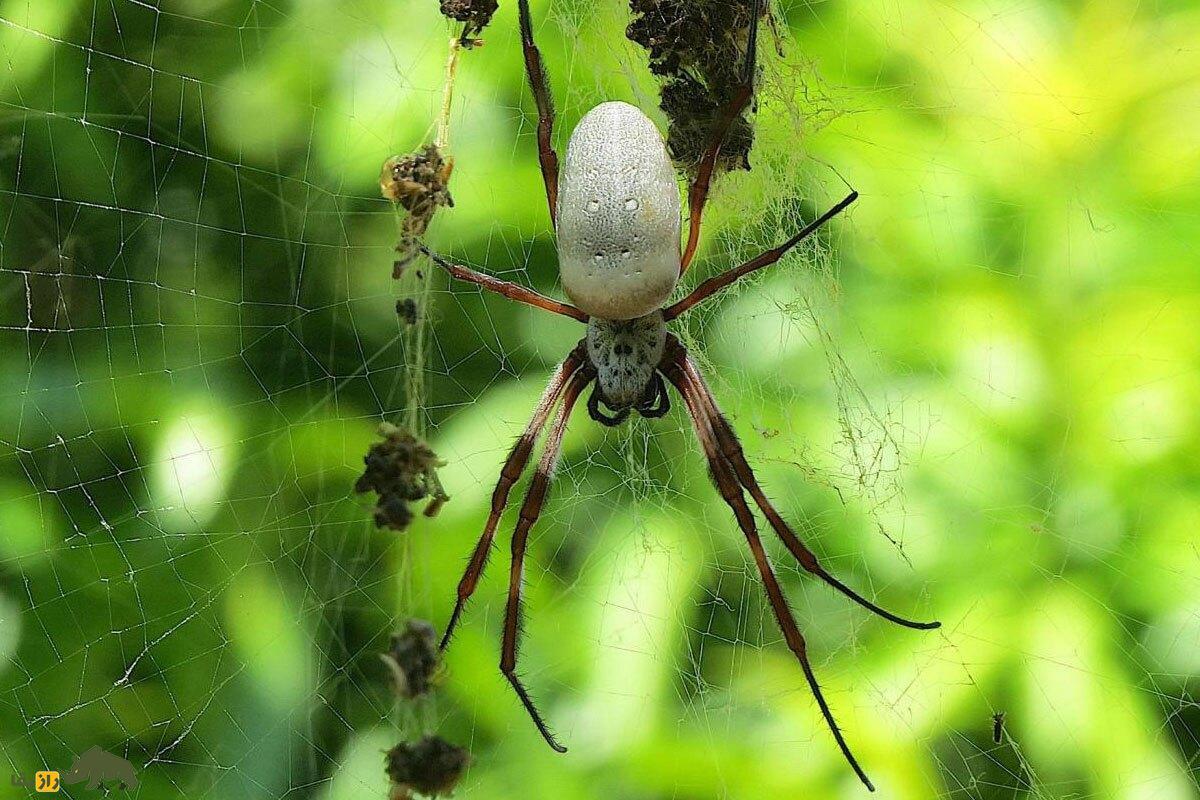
x,y
617,220
626,355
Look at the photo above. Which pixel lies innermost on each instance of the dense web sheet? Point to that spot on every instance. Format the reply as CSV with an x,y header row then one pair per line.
x,y
974,397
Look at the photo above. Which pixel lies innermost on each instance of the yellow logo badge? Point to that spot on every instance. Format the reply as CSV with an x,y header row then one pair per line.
x,y
47,782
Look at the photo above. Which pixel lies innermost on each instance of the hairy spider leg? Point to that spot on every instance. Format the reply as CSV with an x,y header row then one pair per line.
x,y
512,291
731,449
731,492
530,510
510,473
718,282
535,70
698,194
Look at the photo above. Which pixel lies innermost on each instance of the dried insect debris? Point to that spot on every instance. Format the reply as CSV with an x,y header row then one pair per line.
x,y
417,182
475,13
432,767
413,659
698,49
408,311
401,469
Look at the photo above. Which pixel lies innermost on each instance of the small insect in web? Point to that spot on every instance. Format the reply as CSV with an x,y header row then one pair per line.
x,y
616,212
998,727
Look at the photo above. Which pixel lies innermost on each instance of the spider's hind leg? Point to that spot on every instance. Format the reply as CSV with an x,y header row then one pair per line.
x,y
731,450
731,491
531,509
698,193
514,465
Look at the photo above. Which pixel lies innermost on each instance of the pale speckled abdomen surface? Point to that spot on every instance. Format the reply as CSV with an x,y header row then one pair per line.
x,y
618,215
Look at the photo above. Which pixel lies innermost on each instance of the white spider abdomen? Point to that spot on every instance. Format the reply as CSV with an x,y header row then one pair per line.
x,y
618,215
625,354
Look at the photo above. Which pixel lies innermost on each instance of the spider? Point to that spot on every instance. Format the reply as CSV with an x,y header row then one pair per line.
x,y
616,212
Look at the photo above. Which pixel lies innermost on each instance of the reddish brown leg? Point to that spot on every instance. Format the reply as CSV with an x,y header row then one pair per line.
x,y
732,494
718,282
698,194
530,510
509,475
539,85
507,289
731,449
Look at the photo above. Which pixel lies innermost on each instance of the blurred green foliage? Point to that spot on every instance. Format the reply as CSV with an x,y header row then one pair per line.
x,y
977,398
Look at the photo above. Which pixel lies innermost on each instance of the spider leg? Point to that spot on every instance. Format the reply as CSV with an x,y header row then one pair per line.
x,y
698,194
530,510
719,282
731,492
507,289
510,473
731,449
535,70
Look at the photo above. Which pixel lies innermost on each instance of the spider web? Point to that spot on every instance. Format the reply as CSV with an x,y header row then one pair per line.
x,y
974,397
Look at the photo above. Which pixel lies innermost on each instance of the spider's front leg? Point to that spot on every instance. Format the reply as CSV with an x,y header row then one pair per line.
x,y
698,193
535,70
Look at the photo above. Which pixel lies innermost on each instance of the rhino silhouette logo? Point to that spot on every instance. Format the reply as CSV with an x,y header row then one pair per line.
x,y
97,766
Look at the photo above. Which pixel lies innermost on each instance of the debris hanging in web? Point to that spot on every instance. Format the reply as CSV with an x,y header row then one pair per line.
x,y
417,182
408,311
476,14
698,49
413,659
432,767
401,469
